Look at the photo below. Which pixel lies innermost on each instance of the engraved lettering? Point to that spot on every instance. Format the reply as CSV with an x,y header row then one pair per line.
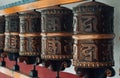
x,y
89,23
53,46
87,52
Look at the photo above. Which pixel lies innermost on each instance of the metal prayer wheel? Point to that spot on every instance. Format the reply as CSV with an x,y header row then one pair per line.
x,y
2,36
12,36
2,40
93,38
30,39
57,35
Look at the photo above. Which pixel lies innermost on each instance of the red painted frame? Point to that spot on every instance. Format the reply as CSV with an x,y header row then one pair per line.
x,y
42,72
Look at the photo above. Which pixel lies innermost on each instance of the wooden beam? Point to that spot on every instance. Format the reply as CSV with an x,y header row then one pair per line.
x,y
12,74
36,5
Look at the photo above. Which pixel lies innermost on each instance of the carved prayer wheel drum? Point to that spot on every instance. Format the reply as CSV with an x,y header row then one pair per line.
x,y
30,39
56,33
93,36
12,36
2,36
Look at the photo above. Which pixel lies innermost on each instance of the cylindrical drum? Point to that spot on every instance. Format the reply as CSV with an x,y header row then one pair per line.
x,y
2,36
56,33
12,36
93,35
30,39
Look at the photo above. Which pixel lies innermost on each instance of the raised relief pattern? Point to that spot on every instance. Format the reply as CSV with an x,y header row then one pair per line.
x,y
56,47
95,51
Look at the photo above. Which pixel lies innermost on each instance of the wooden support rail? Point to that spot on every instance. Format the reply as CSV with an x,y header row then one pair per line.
x,y
12,73
36,5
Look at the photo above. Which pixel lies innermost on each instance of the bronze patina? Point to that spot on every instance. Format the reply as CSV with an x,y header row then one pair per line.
x,y
57,39
12,35
30,36
93,38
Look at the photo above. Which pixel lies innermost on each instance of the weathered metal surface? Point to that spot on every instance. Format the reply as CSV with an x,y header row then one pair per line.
x,y
2,30
12,36
57,33
30,31
93,35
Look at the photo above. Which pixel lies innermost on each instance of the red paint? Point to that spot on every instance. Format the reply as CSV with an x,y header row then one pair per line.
x,y
4,76
43,72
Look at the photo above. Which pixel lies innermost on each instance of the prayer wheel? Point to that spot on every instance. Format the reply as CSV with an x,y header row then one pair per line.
x,y
2,36
2,40
30,39
93,39
12,36
57,37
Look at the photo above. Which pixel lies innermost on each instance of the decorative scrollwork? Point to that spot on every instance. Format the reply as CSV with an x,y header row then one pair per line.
x,y
30,22
53,47
93,51
29,45
12,33
93,35
57,19
30,34
12,43
93,18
